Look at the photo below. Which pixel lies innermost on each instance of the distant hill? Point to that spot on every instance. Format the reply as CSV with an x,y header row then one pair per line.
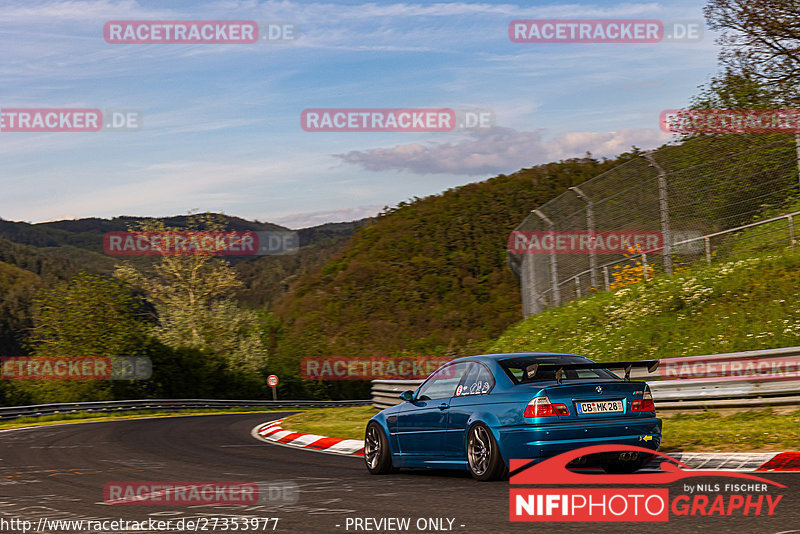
x,y
428,276
88,233
51,263
61,249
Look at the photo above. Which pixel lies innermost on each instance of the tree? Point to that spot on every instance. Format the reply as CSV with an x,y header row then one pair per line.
x,y
88,316
731,90
760,42
193,299
17,291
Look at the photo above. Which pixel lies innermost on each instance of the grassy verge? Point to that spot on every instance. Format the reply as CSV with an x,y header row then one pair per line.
x,y
750,431
746,304
137,414
753,430
348,423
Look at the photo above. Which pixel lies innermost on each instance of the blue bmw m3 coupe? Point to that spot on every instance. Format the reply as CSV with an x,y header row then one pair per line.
x,y
478,412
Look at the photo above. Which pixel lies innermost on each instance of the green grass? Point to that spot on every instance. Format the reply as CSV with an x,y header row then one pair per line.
x,y
745,304
764,235
101,416
348,423
753,430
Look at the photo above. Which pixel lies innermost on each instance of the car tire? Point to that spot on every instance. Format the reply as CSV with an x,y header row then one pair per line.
x,y
483,454
376,450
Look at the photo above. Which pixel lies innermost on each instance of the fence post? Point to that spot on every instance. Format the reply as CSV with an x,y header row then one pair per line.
x,y
578,286
553,263
708,250
663,205
531,298
797,147
791,230
605,278
591,228
644,266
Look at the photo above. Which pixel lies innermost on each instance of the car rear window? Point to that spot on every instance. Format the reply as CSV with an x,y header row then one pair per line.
x,y
515,368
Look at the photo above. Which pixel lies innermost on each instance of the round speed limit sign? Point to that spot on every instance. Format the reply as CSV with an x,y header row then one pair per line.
x,y
272,380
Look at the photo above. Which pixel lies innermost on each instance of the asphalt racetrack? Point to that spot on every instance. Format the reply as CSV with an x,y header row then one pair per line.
x,y
59,472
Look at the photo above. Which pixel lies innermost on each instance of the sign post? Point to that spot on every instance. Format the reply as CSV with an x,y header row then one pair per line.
x,y
272,381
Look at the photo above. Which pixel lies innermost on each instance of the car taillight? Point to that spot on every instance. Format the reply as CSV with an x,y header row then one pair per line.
x,y
645,404
542,407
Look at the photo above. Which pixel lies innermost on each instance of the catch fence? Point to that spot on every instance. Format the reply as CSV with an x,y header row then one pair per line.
x,y
706,198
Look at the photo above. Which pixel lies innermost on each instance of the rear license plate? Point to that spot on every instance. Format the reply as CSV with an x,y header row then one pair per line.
x,y
600,407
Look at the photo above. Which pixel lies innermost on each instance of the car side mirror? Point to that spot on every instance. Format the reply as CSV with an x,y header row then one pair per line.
x,y
407,395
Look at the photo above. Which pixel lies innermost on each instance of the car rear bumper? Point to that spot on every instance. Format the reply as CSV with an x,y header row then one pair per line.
x,y
544,441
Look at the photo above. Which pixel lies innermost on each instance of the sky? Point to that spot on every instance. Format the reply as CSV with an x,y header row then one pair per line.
x,y
221,123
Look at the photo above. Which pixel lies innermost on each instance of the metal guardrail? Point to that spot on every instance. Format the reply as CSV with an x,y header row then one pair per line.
x,y
676,393
12,412
386,393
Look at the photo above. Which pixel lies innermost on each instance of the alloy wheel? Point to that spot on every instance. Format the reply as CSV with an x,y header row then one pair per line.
x,y
372,447
479,450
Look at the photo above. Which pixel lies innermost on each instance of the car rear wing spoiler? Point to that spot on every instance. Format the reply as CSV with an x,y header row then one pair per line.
x,y
650,365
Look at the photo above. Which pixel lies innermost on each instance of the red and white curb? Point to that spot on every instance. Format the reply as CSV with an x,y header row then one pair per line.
x,y
740,461
272,432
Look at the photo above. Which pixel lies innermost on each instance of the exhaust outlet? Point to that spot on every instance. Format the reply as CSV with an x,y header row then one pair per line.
x,y
628,456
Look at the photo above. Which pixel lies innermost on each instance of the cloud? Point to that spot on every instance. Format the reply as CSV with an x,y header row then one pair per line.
x,y
316,218
499,150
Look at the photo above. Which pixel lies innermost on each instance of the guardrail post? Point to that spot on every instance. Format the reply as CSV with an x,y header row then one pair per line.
x,y
606,278
578,286
791,229
707,241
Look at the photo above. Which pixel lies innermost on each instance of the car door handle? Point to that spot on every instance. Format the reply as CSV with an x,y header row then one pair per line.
x,y
443,406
